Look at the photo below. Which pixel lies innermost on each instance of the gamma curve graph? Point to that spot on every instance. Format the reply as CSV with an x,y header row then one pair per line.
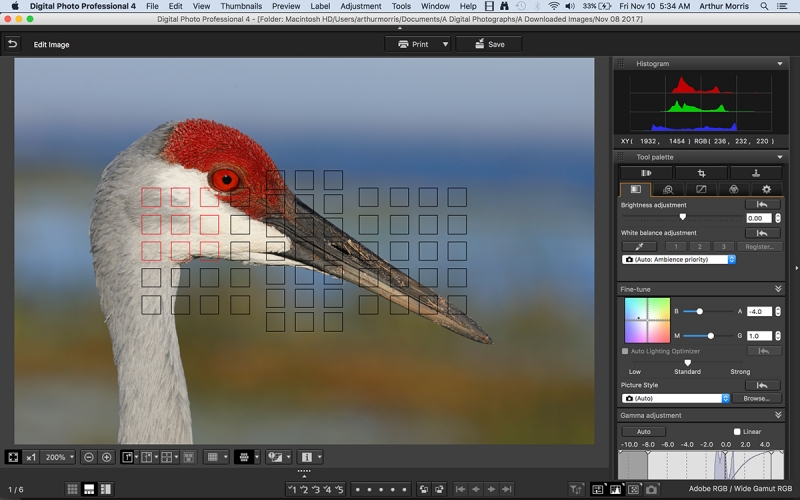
x,y
707,464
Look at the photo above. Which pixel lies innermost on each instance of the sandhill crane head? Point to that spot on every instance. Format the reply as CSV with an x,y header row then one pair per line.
x,y
199,189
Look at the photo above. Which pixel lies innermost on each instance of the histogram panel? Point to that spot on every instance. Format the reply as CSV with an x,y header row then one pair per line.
x,y
695,101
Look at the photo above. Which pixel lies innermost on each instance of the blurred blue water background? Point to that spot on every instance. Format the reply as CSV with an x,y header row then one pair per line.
x,y
518,134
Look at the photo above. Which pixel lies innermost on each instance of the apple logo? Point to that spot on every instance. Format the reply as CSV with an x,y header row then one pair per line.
x,y
15,6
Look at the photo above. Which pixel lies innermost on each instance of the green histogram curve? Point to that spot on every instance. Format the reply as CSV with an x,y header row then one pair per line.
x,y
688,108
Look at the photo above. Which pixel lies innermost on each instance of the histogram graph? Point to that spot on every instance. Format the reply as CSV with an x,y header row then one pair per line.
x,y
697,101
712,464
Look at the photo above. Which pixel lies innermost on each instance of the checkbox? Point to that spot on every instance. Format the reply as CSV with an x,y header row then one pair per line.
x,y
429,224
398,250
276,275
368,304
304,321
304,179
373,246
428,197
209,251
151,305
242,198
276,298
209,224
398,197
429,277
209,304
368,197
240,305
458,304
208,198
398,224
180,197
456,224
240,277
303,276
307,199
367,278
276,322
399,277
367,224
209,277
333,179
333,297
334,203
399,305
333,322
180,224
456,197
428,250
240,224
181,277
151,277
304,298
180,305
332,273
151,197
456,250
151,251
457,277
179,251
240,251
150,224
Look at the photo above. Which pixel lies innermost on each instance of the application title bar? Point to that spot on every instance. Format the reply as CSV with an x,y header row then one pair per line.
x,y
403,6
400,19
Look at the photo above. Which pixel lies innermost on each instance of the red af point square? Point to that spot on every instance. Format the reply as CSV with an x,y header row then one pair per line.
x,y
209,224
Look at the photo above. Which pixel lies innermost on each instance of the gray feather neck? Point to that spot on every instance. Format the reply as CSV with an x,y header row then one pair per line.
x,y
153,398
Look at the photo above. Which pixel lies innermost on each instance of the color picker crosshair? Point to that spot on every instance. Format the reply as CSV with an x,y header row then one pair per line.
x,y
647,320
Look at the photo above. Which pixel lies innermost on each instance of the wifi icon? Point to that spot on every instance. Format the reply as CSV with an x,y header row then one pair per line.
x,y
554,5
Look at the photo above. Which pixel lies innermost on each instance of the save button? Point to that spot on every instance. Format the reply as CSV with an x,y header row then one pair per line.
x,y
489,43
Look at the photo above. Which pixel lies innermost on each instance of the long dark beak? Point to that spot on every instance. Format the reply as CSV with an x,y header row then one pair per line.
x,y
320,245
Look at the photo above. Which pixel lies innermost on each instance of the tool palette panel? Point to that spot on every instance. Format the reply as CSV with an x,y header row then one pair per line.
x,y
701,169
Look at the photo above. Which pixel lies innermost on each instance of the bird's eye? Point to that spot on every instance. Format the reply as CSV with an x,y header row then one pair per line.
x,y
224,180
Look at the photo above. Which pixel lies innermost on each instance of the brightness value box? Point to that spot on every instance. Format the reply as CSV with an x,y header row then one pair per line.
x,y
647,320
758,218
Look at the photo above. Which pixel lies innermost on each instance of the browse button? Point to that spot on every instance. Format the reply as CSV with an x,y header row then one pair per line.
x,y
489,43
761,398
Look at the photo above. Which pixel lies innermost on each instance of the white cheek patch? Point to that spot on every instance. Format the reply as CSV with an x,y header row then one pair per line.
x,y
211,229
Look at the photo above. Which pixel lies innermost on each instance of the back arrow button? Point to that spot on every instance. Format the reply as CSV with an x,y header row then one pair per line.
x,y
475,489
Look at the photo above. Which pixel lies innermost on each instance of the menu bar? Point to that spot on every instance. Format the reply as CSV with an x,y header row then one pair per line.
x,y
509,7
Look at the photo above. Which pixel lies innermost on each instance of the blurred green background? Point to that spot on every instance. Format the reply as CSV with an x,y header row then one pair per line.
x,y
385,378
